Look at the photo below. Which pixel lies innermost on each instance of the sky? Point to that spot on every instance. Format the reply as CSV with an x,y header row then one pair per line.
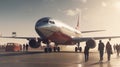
x,y
21,15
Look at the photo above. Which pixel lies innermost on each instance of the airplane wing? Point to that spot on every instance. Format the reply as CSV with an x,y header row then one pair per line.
x,y
76,39
82,39
92,31
28,38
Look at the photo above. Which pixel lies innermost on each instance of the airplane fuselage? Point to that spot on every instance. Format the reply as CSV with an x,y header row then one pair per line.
x,y
56,31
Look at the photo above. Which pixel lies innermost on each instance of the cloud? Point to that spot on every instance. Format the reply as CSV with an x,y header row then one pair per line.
x,y
72,12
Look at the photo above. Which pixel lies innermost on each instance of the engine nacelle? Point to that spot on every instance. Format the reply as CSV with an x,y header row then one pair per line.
x,y
34,44
91,43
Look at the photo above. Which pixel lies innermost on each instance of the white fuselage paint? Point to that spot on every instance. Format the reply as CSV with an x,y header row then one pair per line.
x,y
60,29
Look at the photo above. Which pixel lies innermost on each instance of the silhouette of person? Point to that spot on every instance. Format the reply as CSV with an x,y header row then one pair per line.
x,y
114,47
117,49
109,50
20,47
101,49
23,47
27,47
86,53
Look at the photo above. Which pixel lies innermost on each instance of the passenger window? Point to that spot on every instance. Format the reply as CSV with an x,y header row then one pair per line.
x,y
52,22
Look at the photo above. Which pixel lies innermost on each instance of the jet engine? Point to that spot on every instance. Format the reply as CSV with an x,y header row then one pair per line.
x,y
34,43
91,43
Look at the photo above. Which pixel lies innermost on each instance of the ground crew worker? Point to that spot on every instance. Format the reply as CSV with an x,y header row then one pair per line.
x,y
23,47
86,53
27,47
118,49
108,50
114,47
101,49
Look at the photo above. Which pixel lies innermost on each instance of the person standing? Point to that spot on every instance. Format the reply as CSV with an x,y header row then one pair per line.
x,y
86,53
20,47
27,47
23,47
108,50
114,47
101,49
117,49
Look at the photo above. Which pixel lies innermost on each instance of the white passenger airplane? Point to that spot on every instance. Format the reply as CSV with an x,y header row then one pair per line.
x,y
51,30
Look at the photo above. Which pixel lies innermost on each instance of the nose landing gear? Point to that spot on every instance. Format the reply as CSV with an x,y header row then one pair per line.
x,y
78,48
49,49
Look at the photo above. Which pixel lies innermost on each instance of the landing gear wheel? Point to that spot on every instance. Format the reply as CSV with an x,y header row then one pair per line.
x,y
50,50
58,48
46,50
54,49
80,49
75,49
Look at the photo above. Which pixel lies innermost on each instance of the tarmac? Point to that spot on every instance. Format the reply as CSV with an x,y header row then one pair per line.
x,y
61,59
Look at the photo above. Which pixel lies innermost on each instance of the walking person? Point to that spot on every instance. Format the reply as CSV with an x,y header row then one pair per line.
x,y
118,49
101,49
114,47
86,53
108,50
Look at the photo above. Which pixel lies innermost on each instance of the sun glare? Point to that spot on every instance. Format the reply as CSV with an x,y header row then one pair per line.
x,y
117,5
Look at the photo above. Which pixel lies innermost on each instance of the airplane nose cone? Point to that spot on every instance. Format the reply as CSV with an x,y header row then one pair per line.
x,y
42,22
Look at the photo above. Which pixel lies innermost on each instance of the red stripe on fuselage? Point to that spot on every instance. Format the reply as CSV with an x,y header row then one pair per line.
x,y
60,38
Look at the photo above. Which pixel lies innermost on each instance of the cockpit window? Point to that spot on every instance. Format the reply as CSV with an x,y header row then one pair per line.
x,y
45,21
52,22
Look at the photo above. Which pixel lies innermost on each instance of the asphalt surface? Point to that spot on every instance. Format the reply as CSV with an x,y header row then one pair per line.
x,y
62,59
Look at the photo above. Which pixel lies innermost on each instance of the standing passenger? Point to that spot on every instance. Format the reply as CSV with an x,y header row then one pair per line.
x,y
27,47
86,53
101,49
23,47
117,49
114,47
109,50
20,47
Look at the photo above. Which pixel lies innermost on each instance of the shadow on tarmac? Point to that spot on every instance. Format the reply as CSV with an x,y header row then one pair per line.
x,y
99,63
2,54
102,64
18,53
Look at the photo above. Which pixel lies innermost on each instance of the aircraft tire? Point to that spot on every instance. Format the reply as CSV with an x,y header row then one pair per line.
x,y
50,50
80,49
54,49
76,49
45,50
58,48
